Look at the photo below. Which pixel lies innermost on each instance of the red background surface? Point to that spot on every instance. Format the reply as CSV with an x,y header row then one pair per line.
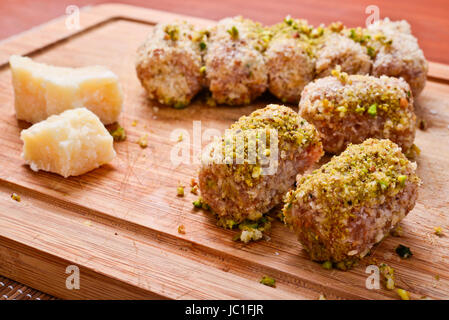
x,y
429,18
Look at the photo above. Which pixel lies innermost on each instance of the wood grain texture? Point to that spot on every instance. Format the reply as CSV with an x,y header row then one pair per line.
x,y
119,223
428,18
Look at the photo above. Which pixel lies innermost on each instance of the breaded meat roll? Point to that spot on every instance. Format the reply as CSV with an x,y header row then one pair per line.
x,y
247,172
349,109
289,59
169,63
343,209
400,56
234,66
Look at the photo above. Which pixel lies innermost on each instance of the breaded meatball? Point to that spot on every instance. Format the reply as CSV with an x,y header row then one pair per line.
x,y
349,109
169,63
237,190
400,56
343,209
235,68
336,49
289,60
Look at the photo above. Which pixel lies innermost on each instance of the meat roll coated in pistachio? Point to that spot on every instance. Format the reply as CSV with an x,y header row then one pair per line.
x,y
169,63
245,190
343,209
349,109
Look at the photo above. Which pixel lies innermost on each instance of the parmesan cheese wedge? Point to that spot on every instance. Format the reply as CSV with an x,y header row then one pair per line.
x,y
42,90
69,144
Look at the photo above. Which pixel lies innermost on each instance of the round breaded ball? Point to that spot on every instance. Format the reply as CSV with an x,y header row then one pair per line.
x,y
290,68
169,64
400,55
235,69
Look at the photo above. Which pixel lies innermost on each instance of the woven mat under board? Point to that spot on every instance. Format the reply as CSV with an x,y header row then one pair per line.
x,y
11,290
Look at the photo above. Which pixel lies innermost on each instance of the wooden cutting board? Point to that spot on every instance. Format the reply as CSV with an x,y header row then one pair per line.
x,y
119,223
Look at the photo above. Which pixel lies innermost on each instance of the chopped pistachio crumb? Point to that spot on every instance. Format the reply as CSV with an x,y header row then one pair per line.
x,y
15,197
143,141
203,70
403,251
180,137
172,32
134,123
403,294
234,32
202,45
119,133
341,76
288,20
194,190
179,105
182,229
200,204
327,265
438,231
402,178
372,110
371,51
388,273
268,281
413,152
180,190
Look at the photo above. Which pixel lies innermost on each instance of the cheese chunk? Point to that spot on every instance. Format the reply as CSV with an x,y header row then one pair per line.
x,y
69,144
42,90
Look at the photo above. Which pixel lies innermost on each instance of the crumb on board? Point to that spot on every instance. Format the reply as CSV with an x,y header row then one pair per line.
x,y
403,294
438,231
118,133
182,229
268,281
200,204
327,265
143,141
16,197
322,297
134,123
388,273
180,137
403,251
180,190
194,190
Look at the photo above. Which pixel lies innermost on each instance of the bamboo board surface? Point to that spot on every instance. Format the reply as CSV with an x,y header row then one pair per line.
x,y
119,223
